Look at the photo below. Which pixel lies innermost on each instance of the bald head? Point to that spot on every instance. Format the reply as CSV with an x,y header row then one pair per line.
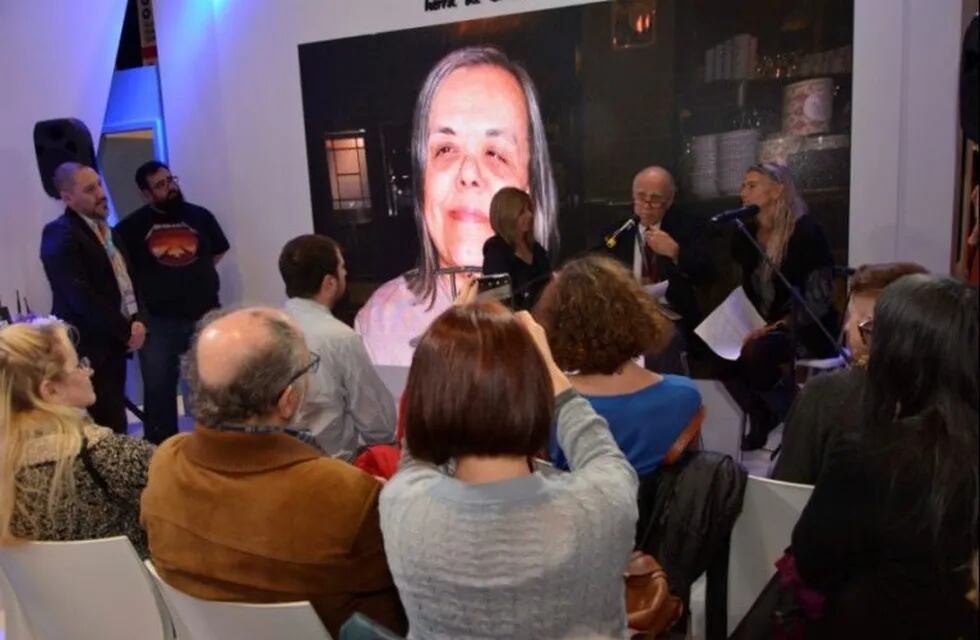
x,y
653,194
241,362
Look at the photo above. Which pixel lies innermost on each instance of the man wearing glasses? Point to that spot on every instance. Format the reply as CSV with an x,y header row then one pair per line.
x,y
174,247
665,247
243,508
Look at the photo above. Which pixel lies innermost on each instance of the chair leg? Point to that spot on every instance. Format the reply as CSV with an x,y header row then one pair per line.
x,y
716,596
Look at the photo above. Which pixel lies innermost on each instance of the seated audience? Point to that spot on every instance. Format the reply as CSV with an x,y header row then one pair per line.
x,y
829,405
513,250
61,476
598,321
889,532
486,547
347,404
242,509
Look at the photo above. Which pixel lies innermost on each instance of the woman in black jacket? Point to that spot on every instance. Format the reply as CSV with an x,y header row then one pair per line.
x,y
889,533
795,242
513,250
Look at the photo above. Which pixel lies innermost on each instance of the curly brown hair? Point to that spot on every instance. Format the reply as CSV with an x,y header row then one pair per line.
x,y
598,317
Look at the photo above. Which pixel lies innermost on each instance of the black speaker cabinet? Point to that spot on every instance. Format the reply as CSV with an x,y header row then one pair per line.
x,y
61,140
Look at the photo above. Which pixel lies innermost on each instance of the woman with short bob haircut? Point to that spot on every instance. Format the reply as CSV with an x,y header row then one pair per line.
x,y
486,546
889,532
513,250
598,320
61,476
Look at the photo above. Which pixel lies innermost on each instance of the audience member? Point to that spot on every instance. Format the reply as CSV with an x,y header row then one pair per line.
x,y
795,243
174,246
598,320
347,403
493,549
91,288
61,476
241,508
513,250
477,128
889,532
829,405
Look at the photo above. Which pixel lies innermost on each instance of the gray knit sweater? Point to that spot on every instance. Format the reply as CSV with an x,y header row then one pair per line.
x,y
534,557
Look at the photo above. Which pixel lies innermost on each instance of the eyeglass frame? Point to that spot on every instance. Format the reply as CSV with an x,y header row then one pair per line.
x,y
865,327
651,200
312,367
169,180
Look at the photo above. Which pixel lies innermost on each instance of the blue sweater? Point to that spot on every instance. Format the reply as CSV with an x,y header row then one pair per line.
x,y
644,423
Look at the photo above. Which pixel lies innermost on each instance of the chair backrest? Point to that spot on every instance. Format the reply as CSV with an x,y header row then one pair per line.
x,y
197,619
761,534
14,623
84,589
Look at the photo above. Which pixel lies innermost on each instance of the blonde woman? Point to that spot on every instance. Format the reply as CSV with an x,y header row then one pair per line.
x,y
513,250
61,476
795,243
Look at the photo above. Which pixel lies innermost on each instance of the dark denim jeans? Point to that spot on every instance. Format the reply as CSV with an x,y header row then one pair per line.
x,y
167,340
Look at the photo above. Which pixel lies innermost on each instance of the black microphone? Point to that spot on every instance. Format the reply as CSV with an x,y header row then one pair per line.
x,y
613,238
735,214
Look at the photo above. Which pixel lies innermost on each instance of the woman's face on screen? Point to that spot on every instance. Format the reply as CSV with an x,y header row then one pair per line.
x,y
477,144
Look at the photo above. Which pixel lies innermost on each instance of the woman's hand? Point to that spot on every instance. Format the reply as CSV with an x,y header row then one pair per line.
x,y
755,334
468,293
559,381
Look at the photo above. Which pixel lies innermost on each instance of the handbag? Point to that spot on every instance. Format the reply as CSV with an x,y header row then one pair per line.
x,y
650,607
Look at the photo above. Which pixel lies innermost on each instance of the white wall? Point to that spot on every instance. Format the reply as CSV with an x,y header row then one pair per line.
x,y
56,60
232,101
905,131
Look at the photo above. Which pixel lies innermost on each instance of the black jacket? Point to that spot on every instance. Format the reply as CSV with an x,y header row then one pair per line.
x,y
693,267
527,280
83,286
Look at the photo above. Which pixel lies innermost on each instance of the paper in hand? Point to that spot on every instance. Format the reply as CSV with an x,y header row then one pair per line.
x,y
725,328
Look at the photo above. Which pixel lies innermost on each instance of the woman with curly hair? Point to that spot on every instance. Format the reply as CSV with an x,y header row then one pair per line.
x,y
598,320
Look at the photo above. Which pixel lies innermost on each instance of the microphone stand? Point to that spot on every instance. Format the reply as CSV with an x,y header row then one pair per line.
x,y
794,293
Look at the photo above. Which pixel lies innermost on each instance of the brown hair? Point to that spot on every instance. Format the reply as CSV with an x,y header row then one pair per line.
x,y
506,205
477,386
305,261
597,317
872,278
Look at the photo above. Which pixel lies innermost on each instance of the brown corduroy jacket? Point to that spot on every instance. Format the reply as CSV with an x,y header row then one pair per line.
x,y
265,518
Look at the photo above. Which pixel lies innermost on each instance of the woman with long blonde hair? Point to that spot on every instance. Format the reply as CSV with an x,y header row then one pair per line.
x,y
513,250
61,476
795,243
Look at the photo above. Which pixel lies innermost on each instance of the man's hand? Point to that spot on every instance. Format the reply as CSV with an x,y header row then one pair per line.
x,y
137,336
755,334
662,244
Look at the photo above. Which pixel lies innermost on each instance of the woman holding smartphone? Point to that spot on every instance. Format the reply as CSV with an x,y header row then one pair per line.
x,y
513,250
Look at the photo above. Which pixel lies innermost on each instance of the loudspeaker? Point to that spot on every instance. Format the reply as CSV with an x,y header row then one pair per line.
x,y
970,82
61,140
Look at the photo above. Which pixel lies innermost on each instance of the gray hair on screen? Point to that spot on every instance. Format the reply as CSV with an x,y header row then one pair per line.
x,y
543,191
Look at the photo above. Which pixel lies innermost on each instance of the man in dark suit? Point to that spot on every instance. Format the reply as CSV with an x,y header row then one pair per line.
x,y
91,287
665,246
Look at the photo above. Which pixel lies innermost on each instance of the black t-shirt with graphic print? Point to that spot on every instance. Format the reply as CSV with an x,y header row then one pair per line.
x,y
172,255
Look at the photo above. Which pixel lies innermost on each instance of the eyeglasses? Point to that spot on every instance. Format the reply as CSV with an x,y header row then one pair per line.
x,y
84,364
312,367
165,182
865,328
652,199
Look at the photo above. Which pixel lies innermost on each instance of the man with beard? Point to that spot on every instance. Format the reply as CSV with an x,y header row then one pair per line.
x,y
175,246
91,288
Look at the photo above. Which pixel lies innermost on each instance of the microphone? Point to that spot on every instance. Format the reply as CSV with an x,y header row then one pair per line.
x,y
613,238
735,214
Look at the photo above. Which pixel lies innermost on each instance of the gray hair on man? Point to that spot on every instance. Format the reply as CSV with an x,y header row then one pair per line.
x,y
544,193
259,370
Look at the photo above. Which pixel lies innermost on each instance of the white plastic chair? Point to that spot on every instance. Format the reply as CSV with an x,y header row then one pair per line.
x,y
761,534
15,625
84,589
197,619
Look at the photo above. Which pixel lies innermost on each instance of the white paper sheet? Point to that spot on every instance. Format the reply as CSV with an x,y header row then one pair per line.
x,y
725,328
657,290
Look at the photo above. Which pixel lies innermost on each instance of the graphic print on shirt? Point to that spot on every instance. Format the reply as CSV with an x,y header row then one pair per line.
x,y
173,245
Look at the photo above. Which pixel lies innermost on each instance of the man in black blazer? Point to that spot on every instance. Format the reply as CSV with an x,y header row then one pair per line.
x,y
91,288
665,245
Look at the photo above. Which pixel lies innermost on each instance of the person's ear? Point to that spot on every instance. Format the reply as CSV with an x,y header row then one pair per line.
x,y
329,285
147,195
289,402
49,391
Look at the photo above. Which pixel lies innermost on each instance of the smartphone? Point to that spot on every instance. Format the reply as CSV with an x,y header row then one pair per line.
x,y
495,286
